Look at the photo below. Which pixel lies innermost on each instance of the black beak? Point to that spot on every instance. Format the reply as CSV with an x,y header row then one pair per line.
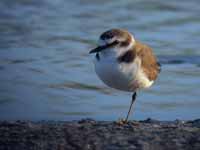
x,y
98,49
103,47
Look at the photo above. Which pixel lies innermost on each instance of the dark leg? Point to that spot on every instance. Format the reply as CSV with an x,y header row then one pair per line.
x,y
133,99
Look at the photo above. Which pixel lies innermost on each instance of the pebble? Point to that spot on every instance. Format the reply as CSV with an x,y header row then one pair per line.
x,y
88,134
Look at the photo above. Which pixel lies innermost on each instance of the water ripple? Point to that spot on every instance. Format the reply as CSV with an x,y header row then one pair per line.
x,y
181,59
17,61
81,86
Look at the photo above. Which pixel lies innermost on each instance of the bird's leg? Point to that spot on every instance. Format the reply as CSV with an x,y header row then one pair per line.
x,y
124,121
133,99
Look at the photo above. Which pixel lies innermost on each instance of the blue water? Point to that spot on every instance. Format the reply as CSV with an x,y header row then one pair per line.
x,y
46,72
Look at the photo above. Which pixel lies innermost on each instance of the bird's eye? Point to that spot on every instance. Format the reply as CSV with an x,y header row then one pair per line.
x,y
124,44
116,42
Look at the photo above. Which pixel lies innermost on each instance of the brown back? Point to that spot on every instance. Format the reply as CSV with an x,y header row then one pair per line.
x,y
148,60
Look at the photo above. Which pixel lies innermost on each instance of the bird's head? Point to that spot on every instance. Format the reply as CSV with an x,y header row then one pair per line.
x,y
117,39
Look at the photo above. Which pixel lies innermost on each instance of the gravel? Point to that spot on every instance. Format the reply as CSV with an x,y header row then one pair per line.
x,y
88,134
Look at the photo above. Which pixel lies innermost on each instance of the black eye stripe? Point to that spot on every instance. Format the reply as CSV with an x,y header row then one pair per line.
x,y
115,42
124,44
111,44
103,47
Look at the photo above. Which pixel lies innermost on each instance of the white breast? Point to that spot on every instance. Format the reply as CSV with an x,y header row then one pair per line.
x,y
123,76
114,74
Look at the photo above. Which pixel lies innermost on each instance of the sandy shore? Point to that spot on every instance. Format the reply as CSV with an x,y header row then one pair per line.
x,y
100,135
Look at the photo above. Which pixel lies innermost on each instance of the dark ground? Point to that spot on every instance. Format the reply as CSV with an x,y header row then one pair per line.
x,y
100,135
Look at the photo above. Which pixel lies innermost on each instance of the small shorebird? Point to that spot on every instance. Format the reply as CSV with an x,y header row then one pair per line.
x,y
123,63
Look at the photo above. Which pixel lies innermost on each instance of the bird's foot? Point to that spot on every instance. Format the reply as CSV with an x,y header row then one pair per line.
x,y
121,122
135,123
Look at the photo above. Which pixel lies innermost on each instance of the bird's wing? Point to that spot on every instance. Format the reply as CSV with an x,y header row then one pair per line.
x,y
149,62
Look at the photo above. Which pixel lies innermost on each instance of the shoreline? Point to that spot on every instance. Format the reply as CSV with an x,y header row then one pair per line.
x,y
89,134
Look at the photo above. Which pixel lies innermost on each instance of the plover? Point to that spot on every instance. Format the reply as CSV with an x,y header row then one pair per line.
x,y
124,63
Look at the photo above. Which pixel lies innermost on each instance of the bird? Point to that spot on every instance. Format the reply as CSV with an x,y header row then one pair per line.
x,y
124,63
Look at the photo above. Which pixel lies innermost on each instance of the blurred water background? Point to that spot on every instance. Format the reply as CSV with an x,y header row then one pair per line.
x,y
46,72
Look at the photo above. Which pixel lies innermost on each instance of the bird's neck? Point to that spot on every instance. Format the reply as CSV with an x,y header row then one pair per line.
x,y
122,50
